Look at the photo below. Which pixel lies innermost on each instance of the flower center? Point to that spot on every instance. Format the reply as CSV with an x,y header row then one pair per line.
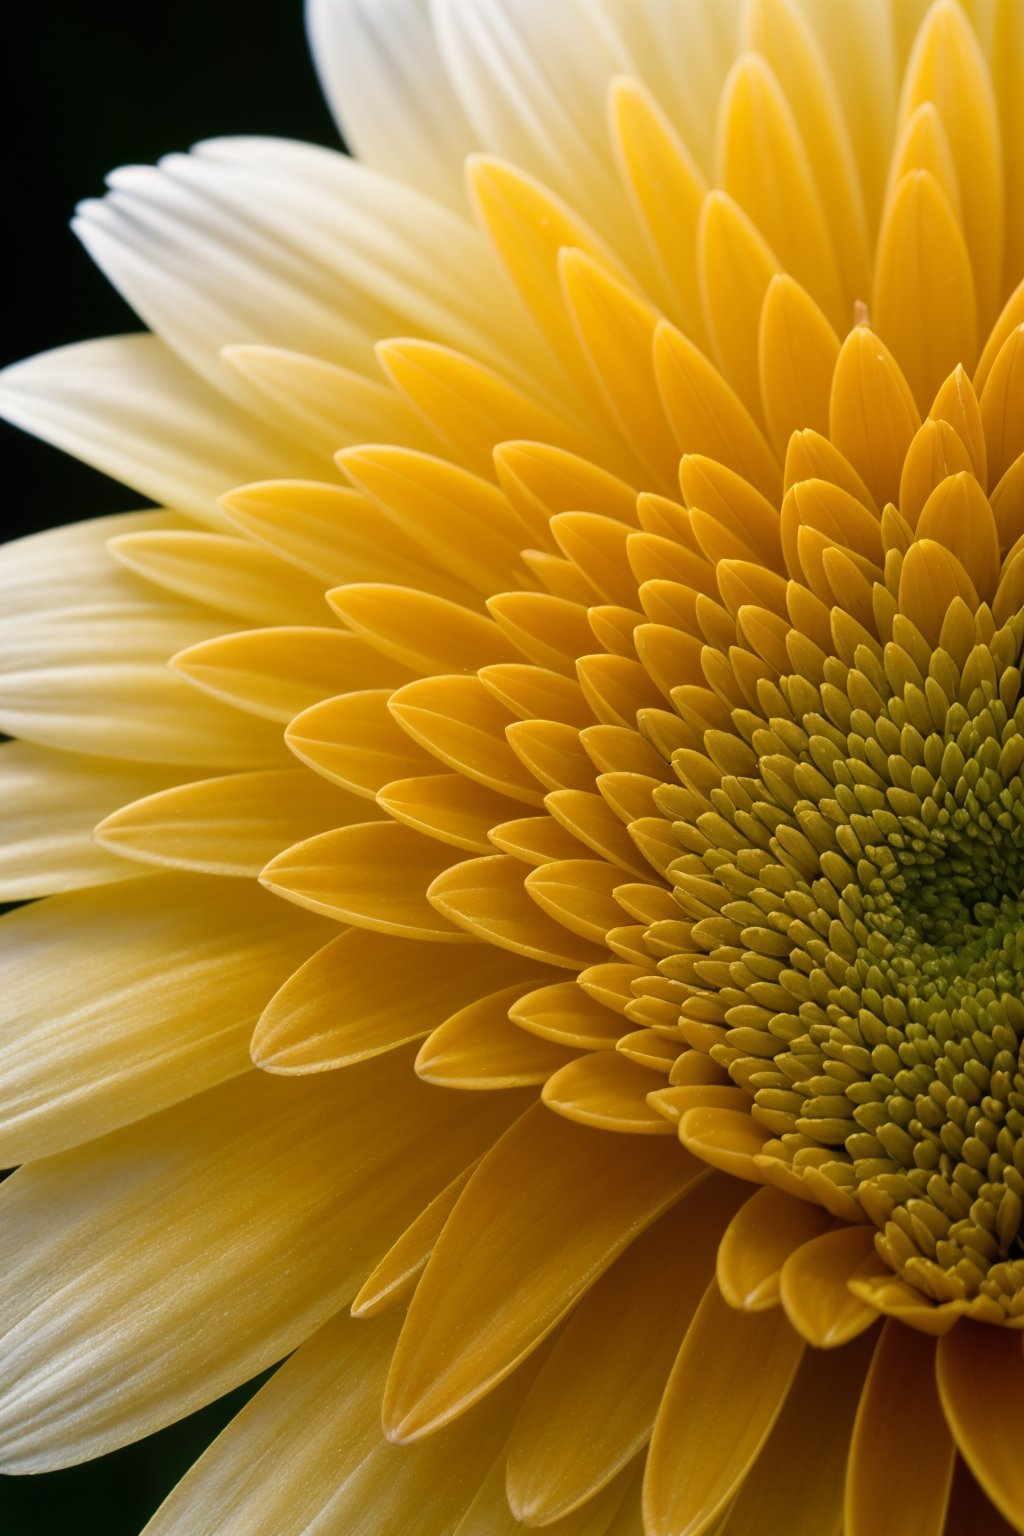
x,y
857,907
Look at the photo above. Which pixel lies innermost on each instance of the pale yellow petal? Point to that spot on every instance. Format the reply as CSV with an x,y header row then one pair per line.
x,y
153,1270
315,1427
49,804
153,989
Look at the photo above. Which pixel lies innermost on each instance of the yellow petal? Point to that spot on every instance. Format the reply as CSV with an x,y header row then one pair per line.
x,y
333,533
218,1235
958,516
797,352
947,67
924,303
782,35
315,1427
764,165
461,523
564,1013
373,874
813,1287
447,806
112,1040
425,633
540,480
227,826
614,327
812,1433
460,722
1001,405
727,1388
488,899
278,673
736,266
395,1277
578,893
591,1409
667,190
470,408
352,999
981,1387
901,1464
758,1241
549,1208
872,415
356,742
480,1047
608,1091
706,416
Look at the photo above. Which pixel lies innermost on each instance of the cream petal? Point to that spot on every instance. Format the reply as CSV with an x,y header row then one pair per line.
x,y
94,679
153,1270
549,1208
228,574
153,990
303,248
49,804
127,406
57,567
532,79
381,72
315,1426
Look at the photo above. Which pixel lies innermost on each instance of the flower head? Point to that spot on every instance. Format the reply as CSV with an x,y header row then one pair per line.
x,y
659,746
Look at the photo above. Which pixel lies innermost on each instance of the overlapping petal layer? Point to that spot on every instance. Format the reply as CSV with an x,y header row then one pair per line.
x,y
644,699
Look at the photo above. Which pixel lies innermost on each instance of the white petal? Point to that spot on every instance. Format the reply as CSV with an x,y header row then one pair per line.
x,y
684,50
301,248
382,75
127,406
533,78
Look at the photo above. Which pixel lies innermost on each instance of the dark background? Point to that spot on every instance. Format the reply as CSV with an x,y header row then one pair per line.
x,y
87,88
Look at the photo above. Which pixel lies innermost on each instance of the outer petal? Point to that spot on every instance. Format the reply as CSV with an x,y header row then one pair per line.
x,y
127,406
381,71
315,1428
160,1266
152,990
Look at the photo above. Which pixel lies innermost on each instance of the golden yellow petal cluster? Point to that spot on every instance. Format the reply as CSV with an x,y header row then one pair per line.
x,y
613,658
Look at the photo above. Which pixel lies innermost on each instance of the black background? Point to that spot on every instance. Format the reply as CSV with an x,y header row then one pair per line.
x,y
86,88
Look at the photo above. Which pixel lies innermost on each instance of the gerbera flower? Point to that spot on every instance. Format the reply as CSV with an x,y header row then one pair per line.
x,y
633,730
